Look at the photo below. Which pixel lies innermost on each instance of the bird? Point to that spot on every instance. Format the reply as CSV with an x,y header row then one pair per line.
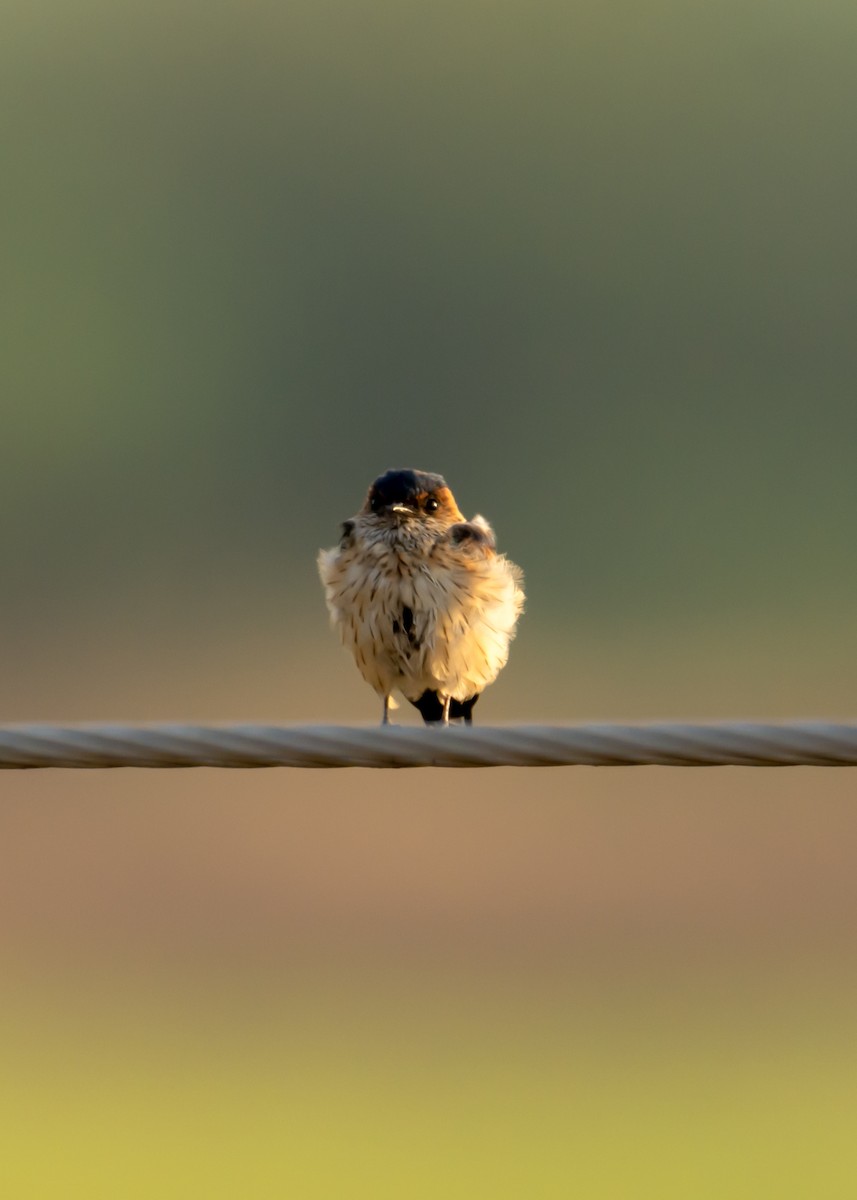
x,y
421,597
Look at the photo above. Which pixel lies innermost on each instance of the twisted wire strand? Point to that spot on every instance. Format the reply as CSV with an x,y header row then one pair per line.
x,y
794,744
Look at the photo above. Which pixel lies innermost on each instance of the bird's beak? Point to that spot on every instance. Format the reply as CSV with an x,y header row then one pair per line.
x,y
402,508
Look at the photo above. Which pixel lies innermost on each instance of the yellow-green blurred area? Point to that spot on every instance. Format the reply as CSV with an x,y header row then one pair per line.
x,y
594,263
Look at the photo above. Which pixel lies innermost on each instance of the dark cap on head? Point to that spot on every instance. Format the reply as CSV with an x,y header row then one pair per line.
x,y
404,486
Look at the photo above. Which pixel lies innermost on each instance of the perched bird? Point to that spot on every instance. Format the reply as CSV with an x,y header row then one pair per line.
x,y
421,597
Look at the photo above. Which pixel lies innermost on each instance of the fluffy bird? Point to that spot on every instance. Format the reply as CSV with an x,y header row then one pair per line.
x,y
420,596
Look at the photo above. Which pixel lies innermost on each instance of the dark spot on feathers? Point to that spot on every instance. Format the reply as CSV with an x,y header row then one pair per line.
x,y
408,625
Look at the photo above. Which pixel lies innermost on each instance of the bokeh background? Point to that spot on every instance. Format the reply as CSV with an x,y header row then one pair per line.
x,y
596,264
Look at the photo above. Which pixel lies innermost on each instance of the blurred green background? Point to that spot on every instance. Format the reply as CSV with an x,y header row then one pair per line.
x,y
594,263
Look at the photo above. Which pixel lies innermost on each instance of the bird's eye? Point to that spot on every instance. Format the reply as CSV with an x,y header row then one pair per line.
x,y
375,502
432,505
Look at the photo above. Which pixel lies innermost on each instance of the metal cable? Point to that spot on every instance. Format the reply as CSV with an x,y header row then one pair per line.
x,y
794,744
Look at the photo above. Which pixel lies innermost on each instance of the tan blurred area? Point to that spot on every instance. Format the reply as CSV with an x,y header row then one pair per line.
x,y
558,870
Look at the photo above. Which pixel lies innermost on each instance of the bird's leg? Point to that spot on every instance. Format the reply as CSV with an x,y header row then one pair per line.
x,y
385,719
446,702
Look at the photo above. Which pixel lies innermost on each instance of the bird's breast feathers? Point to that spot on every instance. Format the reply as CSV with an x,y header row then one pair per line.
x,y
436,611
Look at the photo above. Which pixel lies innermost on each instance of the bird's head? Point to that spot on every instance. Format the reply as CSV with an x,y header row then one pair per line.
x,y
406,495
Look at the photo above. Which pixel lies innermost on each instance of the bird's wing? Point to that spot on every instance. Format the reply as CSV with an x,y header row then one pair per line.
x,y
474,537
